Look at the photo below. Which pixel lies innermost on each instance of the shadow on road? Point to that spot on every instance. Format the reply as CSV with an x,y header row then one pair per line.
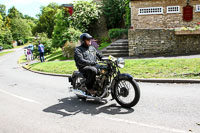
x,y
72,106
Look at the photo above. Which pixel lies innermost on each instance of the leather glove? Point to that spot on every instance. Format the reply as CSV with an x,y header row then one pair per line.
x,y
93,63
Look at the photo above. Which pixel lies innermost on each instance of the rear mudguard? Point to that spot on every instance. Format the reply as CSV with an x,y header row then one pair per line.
x,y
116,79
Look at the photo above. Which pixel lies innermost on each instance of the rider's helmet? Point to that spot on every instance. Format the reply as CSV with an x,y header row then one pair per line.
x,y
85,36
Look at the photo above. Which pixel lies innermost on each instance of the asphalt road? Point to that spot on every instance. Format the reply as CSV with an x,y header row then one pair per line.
x,y
34,103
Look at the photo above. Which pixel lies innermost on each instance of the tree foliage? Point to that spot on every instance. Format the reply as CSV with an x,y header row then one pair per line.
x,y
14,13
114,11
3,11
85,13
20,29
62,31
30,21
5,34
127,16
46,19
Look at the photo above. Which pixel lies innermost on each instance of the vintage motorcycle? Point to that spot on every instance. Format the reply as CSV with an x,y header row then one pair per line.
x,y
122,87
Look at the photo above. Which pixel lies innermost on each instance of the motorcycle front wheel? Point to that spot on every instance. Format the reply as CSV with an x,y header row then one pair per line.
x,y
127,92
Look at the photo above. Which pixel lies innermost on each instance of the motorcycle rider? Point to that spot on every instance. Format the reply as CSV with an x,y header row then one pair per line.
x,y
85,57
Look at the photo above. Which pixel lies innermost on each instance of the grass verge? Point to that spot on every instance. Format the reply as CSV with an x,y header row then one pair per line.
x,y
103,45
22,59
62,67
56,56
139,68
3,53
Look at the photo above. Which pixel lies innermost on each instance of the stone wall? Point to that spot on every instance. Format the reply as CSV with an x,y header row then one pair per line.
x,y
161,42
164,20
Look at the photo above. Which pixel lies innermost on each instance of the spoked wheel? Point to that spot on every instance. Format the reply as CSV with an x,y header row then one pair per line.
x,y
127,92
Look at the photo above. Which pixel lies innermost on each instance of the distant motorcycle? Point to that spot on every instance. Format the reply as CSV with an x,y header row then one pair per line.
x,y
122,87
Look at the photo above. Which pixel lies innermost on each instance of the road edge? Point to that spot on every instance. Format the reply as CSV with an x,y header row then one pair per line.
x,y
191,81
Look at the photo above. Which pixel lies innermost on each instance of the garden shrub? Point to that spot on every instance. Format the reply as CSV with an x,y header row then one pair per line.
x,y
118,33
68,49
105,39
6,46
85,14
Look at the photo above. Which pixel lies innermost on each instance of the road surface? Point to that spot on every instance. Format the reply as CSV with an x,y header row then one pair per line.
x,y
35,103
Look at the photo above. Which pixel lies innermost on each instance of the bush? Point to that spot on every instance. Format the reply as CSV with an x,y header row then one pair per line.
x,y
85,13
62,31
68,49
69,35
105,39
118,33
6,46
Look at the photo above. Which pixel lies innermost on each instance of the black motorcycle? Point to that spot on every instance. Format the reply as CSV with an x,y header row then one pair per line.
x,y
122,87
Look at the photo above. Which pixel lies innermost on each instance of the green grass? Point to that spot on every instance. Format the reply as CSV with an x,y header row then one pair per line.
x,y
62,67
21,46
22,59
103,45
56,56
163,68
140,68
3,53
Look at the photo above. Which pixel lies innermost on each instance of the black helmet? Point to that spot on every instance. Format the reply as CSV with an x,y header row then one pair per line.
x,y
84,37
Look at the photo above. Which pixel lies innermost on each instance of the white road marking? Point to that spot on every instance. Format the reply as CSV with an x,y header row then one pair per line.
x,y
19,97
143,125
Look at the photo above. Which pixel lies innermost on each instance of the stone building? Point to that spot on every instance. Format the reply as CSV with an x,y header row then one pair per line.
x,y
154,23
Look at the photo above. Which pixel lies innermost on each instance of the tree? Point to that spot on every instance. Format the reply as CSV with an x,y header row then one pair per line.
x,y
46,19
3,11
1,20
31,21
62,31
5,34
127,16
114,11
85,13
14,13
20,29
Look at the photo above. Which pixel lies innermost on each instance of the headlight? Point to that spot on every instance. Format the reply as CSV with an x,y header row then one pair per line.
x,y
120,62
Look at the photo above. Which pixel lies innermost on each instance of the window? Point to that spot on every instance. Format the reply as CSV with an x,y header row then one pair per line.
x,y
197,8
150,10
173,9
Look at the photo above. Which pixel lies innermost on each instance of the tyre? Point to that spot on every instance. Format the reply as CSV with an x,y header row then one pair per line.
x,y
127,92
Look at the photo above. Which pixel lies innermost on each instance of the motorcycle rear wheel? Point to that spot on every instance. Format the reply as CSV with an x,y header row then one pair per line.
x,y
123,89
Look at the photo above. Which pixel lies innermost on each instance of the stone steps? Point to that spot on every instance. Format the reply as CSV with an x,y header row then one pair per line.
x,y
114,51
118,48
116,54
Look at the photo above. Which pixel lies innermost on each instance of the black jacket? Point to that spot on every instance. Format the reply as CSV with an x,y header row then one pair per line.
x,y
86,56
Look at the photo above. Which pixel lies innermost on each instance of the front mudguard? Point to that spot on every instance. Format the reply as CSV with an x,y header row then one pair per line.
x,y
124,76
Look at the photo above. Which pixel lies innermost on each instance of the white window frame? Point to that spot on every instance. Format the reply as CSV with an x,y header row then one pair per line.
x,y
150,10
197,8
170,9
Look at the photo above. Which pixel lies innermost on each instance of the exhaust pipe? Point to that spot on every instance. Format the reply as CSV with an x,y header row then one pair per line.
x,y
83,94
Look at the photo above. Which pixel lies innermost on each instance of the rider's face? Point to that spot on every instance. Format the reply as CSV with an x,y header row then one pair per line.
x,y
88,42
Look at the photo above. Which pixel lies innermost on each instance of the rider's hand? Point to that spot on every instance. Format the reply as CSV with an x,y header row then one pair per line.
x,y
93,63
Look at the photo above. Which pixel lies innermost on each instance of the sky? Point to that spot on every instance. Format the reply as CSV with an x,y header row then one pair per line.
x,y
31,7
